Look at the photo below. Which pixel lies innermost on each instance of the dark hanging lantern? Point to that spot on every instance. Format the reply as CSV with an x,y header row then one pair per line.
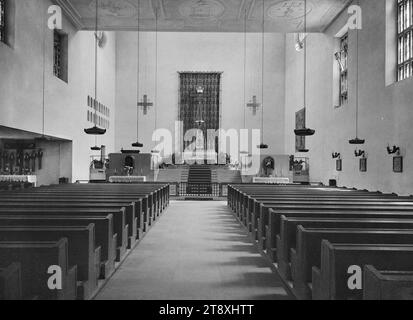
x,y
305,132
95,130
95,148
357,140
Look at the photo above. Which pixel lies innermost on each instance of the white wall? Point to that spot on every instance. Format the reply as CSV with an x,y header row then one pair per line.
x,y
66,103
386,111
199,52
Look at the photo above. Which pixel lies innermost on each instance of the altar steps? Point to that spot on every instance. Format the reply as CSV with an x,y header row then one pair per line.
x,y
200,180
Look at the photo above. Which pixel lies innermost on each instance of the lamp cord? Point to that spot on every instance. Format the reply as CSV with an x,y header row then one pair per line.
x,y
305,54
245,68
44,76
96,66
357,87
96,59
263,66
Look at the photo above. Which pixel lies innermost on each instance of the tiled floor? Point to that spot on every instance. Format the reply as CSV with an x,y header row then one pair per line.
x,y
196,251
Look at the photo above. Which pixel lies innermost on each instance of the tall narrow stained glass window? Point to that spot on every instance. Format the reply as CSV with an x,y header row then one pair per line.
x,y
405,39
344,70
58,55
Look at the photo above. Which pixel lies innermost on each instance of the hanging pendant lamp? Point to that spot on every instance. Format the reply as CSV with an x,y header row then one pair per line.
x,y
305,132
357,140
95,130
138,144
263,145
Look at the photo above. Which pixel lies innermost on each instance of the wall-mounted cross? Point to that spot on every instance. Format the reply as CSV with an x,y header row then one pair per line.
x,y
145,104
254,105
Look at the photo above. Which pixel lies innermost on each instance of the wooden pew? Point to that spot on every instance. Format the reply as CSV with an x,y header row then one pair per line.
x,y
140,203
132,208
274,225
288,237
81,250
157,196
251,193
254,202
308,252
260,206
272,229
10,282
35,259
347,204
155,192
387,285
134,217
119,217
330,282
243,192
103,231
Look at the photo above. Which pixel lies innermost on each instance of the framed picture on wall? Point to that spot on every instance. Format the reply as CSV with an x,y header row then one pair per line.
x,y
300,124
363,165
398,164
339,165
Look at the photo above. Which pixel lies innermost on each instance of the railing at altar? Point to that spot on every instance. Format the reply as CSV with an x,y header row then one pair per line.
x,y
271,180
185,189
19,179
127,179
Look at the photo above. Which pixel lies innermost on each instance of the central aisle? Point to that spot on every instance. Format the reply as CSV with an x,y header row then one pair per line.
x,y
197,250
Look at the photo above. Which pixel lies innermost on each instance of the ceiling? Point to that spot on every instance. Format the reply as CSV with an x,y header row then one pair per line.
x,y
17,134
204,15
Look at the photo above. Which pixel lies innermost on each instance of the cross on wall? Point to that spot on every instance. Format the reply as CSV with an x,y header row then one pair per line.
x,y
254,105
145,104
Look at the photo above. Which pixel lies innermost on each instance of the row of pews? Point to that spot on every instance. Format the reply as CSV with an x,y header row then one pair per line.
x,y
331,243
84,229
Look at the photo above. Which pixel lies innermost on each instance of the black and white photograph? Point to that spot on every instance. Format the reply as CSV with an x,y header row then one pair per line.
x,y
206,158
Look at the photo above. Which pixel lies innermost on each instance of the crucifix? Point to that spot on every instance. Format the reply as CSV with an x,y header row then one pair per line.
x,y
254,105
145,104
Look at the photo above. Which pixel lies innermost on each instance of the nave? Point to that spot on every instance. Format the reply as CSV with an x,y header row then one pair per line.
x,y
197,250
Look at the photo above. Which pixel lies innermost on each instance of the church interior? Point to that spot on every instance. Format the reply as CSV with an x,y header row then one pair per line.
x,y
206,150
